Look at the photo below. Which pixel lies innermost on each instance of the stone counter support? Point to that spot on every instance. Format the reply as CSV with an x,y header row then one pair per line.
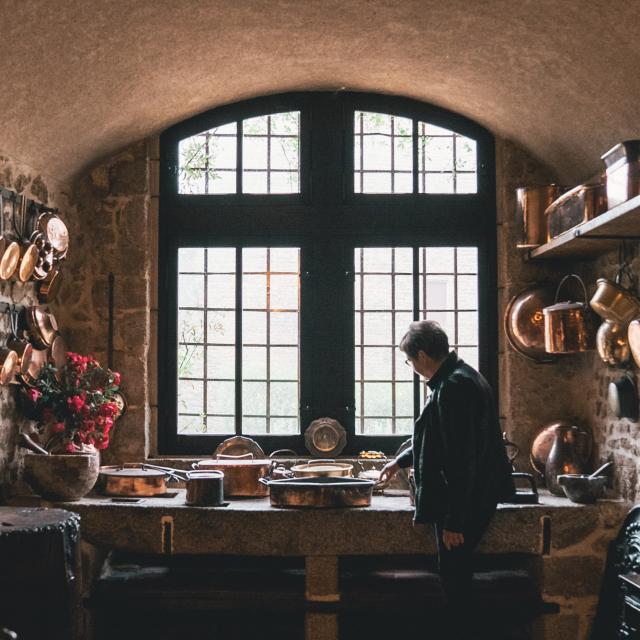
x,y
562,544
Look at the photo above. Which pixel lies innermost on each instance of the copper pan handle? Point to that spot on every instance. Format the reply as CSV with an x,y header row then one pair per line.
x,y
571,275
242,456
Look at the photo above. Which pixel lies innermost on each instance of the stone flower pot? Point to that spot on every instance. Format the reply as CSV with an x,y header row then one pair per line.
x,y
62,476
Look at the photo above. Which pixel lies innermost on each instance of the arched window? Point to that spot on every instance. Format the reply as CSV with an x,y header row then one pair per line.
x,y
299,236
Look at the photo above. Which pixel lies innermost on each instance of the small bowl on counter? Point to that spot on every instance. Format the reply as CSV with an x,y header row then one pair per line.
x,y
583,489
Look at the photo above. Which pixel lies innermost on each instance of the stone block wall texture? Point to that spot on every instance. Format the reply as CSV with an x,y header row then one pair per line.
x,y
23,179
110,234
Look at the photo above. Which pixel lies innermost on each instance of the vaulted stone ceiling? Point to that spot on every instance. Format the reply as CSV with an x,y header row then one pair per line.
x,y
83,78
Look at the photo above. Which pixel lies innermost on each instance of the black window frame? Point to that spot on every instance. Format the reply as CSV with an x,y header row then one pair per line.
x,y
327,220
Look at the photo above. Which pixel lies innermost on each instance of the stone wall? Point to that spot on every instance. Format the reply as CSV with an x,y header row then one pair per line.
x,y
111,233
23,179
616,439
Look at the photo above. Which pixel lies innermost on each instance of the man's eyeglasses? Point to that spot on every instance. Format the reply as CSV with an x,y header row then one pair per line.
x,y
408,363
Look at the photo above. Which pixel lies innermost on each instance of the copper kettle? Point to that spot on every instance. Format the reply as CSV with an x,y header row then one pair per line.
x,y
568,327
573,450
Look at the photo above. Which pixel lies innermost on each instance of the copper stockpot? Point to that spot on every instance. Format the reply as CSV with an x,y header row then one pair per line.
x,y
242,474
612,343
531,203
567,326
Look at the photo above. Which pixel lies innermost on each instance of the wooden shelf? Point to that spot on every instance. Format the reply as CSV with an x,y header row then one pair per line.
x,y
597,236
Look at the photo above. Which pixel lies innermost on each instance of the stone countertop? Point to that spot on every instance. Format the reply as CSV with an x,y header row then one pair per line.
x,y
253,527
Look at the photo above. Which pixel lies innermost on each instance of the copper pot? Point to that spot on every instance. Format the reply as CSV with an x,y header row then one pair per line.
x,y
567,327
531,203
41,325
612,301
241,474
544,440
582,203
322,468
8,365
320,493
633,335
612,343
131,479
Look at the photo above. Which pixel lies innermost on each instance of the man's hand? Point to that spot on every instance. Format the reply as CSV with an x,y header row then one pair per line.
x,y
452,539
388,471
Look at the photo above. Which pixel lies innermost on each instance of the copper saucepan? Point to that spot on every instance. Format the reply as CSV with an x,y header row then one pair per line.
x,y
11,254
23,349
41,326
612,301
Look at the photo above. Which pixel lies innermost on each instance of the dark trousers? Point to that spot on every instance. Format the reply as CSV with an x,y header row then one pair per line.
x,y
456,571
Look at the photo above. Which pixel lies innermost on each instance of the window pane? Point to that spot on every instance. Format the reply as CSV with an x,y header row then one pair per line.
x,y
220,425
207,161
254,363
283,399
190,361
383,153
221,363
284,426
207,339
384,384
220,397
447,161
191,260
221,327
278,294
221,291
221,260
271,153
190,326
190,291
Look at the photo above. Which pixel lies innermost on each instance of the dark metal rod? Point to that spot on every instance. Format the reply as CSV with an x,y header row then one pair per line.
x,y
110,286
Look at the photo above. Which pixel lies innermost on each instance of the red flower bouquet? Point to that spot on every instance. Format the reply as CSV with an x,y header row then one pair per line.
x,y
75,407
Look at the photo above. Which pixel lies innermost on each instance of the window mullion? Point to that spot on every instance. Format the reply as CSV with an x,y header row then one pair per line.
x,y
239,340
416,316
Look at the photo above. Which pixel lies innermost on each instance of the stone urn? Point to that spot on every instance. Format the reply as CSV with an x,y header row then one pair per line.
x,y
62,476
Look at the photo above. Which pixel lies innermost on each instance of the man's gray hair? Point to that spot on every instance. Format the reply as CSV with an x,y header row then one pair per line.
x,y
427,336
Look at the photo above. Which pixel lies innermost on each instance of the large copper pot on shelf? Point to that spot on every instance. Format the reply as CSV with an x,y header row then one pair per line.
x,y
531,203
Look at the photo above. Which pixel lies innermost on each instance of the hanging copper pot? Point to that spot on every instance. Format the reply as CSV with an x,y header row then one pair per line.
x,y
612,343
49,287
567,325
612,301
41,325
11,254
56,233
524,322
8,365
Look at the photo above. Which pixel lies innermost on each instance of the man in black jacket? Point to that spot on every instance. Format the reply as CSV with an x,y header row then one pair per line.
x,y
460,464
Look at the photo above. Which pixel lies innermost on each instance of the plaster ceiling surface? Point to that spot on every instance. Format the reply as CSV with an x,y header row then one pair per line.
x,y
84,78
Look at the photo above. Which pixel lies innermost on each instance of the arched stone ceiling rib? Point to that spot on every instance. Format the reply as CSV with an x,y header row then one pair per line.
x,y
84,78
